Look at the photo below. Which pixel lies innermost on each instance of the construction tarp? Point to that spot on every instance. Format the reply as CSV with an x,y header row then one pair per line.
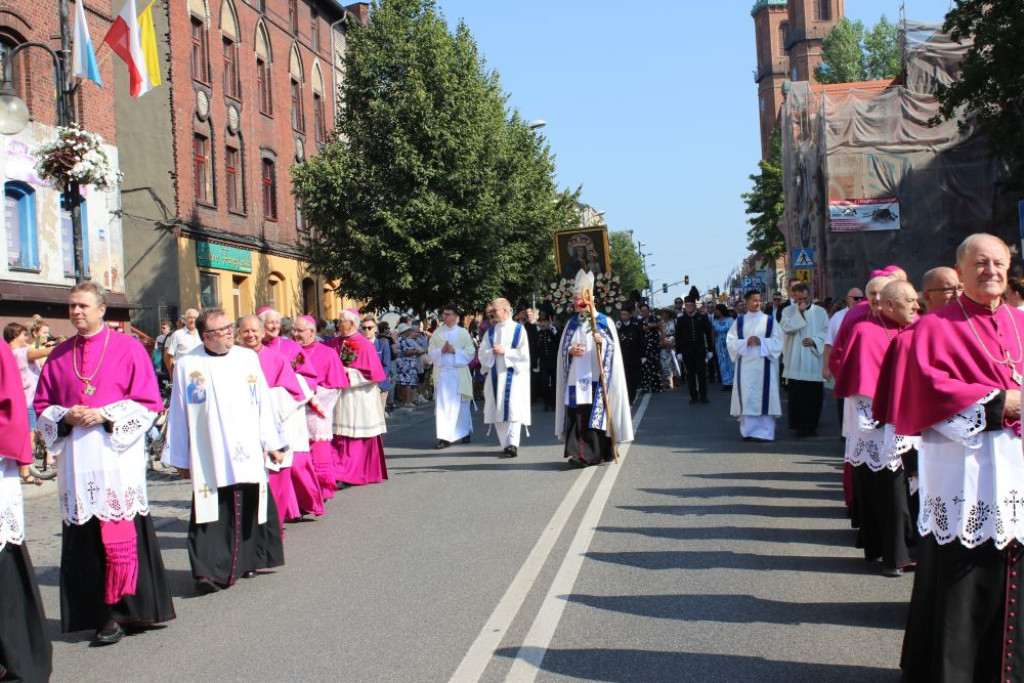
x,y
869,180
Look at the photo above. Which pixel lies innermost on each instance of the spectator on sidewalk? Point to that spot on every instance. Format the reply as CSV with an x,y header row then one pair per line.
x,y
182,341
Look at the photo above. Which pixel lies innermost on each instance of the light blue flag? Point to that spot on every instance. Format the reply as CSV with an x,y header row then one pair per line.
x,y
83,56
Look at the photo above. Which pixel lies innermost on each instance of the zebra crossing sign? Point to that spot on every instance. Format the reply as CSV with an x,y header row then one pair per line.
x,y
803,258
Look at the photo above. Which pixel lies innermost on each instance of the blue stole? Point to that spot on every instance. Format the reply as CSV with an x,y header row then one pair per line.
x,y
766,389
597,411
508,372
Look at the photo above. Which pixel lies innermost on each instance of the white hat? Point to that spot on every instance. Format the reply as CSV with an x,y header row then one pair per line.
x,y
584,280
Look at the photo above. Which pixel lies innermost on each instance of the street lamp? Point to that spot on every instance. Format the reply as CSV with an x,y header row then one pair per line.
x,y
14,116
536,124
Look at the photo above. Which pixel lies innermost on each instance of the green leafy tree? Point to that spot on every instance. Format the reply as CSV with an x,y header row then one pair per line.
x,y
842,54
881,51
430,191
766,202
991,85
626,262
849,54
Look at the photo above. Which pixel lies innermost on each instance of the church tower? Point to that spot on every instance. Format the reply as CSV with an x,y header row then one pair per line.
x,y
771,29
809,23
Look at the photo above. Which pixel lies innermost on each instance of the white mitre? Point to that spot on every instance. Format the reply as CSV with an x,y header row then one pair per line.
x,y
584,280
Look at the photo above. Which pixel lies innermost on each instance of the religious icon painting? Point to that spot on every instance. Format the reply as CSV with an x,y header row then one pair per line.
x,y
582,249
195,392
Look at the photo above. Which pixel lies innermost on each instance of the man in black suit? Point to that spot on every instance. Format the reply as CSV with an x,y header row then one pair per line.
x,y
694,341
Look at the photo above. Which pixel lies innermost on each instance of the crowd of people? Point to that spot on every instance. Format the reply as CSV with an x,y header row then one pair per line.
x,y
268,428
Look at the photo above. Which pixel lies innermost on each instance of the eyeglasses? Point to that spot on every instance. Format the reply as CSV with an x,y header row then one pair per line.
x,y
367,327
947,290
221,330
855,298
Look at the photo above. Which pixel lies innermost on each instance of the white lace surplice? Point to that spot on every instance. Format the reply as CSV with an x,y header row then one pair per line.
x,y
321,428
101,474
972,481
12,511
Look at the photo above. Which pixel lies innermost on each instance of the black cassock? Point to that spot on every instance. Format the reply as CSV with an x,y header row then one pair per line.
x,y
583,442
631,346
25,650
236,542
547,360
83,573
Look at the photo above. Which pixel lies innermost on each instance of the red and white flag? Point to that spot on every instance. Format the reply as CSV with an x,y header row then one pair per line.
x,y
124,39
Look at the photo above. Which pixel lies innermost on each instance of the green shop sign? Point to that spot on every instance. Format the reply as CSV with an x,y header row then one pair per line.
x,y
225,258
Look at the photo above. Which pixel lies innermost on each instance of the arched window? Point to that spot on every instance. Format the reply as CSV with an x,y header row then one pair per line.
x,y
822,10
229,50
295,81
20,223
7,43
275,290
67,237
200,50
264,58
783,38
319,111
268,174
309,302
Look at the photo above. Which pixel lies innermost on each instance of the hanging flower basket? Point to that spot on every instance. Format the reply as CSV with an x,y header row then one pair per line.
x,y
76,156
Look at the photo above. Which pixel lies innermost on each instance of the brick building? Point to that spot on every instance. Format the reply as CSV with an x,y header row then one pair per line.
x,y
36,224
208,211
788,36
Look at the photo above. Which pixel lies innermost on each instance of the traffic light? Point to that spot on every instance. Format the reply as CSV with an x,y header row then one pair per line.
x,y
664,288
686,279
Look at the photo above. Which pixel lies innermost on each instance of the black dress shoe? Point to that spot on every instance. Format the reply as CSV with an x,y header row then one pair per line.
x,y
510,452
206,586
465,439
111,633
251,574
441,443
705,400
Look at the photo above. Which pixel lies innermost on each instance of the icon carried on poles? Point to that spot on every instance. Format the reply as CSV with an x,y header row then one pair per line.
x,y
803,258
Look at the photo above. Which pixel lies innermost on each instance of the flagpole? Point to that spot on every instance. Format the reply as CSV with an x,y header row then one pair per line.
x,y
66,117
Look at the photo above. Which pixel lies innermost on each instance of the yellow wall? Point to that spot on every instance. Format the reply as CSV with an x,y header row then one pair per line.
x,y
255,287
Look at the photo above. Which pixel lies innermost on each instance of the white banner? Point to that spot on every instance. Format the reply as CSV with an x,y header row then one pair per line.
x,y
848,215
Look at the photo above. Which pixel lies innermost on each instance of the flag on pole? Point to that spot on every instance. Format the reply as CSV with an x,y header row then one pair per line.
x,y
83,56
123,38
147,37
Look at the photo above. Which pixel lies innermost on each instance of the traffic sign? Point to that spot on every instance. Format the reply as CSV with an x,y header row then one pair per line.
x,y
803,258
803,275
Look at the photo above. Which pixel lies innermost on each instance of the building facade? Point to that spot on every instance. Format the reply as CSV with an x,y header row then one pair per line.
x,y
36,225
208,210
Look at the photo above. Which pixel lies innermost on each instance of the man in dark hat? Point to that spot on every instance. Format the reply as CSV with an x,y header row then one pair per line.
x,y
525,316
631,341
694,341
547,357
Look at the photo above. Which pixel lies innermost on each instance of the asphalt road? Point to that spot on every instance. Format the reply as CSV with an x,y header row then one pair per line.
x,y
698,558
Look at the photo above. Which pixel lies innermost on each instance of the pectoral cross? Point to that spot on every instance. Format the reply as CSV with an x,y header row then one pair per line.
x,y
206,490
93,489
89,389
1018,378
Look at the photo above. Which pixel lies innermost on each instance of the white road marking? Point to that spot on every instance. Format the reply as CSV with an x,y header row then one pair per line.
x,y
531,653
490,637
482,651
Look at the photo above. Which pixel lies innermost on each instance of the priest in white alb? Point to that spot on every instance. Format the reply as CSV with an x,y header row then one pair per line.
x,y
755,344
222,426
505,362
450,351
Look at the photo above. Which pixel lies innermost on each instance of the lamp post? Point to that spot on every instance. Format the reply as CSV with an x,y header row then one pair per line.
x,y
14,116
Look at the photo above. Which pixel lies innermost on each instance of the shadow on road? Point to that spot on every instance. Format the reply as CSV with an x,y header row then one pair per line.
x,y
773,476
830,537
745,609
834,492
547,466
673,667
719,559
801,512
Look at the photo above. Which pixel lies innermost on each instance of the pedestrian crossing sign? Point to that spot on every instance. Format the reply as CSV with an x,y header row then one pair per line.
x,y
803,258
803,275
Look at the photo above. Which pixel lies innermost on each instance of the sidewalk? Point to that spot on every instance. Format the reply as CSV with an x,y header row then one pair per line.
x,y
170,499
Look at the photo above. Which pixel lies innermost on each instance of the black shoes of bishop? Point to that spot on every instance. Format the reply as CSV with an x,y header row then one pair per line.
x,y
510,452
111,633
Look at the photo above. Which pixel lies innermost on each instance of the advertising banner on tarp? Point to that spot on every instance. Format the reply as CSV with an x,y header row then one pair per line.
x,y
850,215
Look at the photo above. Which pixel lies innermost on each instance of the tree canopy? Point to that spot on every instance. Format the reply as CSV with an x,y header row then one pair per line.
x,y
430,190
991,85
626,262
849,54
766,202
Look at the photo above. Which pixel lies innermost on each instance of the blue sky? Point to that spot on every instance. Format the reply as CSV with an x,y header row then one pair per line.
x,y
651,107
